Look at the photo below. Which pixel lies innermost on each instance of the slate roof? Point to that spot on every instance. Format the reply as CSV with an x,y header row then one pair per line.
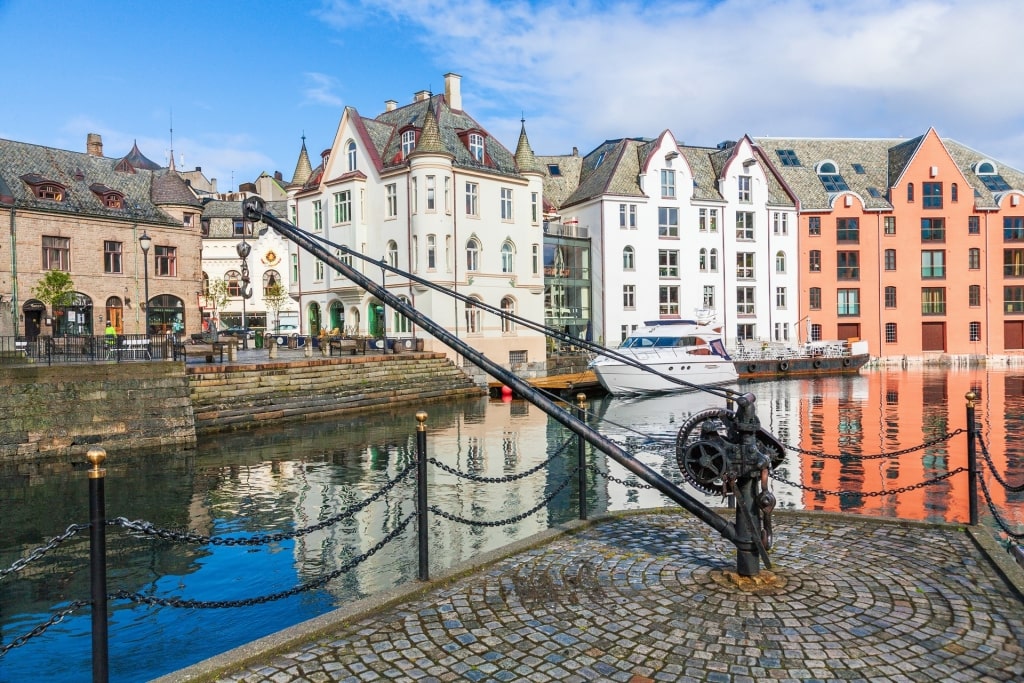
x,y
303,169
77,171
558,188
222,214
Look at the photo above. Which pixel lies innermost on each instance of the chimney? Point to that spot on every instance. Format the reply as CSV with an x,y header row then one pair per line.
x,y
278,176
575,151
94,144
390,105
453,91
421,95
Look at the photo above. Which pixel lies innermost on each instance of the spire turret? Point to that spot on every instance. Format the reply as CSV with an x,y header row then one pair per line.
x,y
303,169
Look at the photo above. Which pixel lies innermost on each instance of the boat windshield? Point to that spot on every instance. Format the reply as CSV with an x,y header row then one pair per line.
x,y
661,342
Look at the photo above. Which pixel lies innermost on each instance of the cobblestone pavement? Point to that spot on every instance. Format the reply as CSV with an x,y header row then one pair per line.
x,y
648,598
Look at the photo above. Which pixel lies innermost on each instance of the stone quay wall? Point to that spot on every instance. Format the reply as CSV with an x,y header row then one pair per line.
x,y
242,396
63,410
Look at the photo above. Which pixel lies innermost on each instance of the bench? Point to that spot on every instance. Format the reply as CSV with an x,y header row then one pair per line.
x,y
344,345
135,349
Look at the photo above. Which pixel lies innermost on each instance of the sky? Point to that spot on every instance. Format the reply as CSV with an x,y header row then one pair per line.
x,y
240,83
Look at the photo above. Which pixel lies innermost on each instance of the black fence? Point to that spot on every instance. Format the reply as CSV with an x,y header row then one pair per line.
x,y
89,349
572,461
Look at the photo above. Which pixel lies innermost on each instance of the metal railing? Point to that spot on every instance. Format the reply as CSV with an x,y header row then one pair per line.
x,y
19,350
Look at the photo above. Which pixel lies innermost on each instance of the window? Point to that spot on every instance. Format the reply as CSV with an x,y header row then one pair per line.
x,y
392,253
535,258
848,302
890,225
780,262
343,206
399,323
1013,299
847,230
431,252
745,265
814,261
973,225
112,257
186,218
814,226
780,297
318,216
238,227
506,204
668,221
627,216
414,191
890,259
743,189
890,297
713,261
447,194
351,155
668,183
788,157
507,258
781,332
49,191
709,297
703,260
166,261
629,296
933,301
933,229
831,179
848,265
1013,229
890,333
472,255
931,195
408,142
668,300
508,309
974,259
271,280
668,263
1013,262
295,267
954,193
534,207
628,258
814,298
391,200
974,331
933,264
473,318
431,199
554,170
476,146
780,223
745,301
974,296
745,225
709,220
345,258
858,169
318,270
746,331
910,192
233,279
472,199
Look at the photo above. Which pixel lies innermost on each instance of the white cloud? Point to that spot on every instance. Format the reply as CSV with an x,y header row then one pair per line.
x,y
318,89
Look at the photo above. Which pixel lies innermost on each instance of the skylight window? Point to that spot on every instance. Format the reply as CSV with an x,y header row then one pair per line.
x,y
995,182
858,169
873,191
833,182
788,157
600,158
554,170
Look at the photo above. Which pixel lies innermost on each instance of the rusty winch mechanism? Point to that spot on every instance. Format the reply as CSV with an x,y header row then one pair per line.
x,y
725,452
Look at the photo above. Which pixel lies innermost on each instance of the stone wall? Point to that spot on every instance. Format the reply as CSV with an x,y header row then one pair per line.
x,y
245,396
64,409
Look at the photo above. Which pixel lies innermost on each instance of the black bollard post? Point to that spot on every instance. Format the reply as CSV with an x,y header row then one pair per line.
x,y
98,564
972,459
581,454
421,494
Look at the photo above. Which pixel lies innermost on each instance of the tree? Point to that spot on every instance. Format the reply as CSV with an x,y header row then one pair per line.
x,y
275,296
216,295
55,289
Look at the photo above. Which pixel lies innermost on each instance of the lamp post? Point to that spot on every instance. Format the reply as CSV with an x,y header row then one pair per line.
x,y
383,312
243,248
145,241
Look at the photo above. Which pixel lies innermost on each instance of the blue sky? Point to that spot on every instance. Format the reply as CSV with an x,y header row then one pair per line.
x,y
242,81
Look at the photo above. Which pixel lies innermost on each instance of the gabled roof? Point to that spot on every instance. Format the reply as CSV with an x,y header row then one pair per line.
x,y
170,188
559,186
611,168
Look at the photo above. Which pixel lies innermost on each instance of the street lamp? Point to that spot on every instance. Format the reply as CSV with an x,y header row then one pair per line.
x,y
145,241
243,248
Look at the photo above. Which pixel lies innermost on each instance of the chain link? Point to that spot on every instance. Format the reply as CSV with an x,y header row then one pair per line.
x,y
248,602
148,529
511,520
995,473
508,478
869,494
42,550
876,456
41,628
995,513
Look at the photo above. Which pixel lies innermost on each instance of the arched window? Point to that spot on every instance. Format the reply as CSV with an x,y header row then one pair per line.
x,y
399,323
472,254
910,192
337,315
508,307
713,262
392,253
628,258
234,281
507,258
954,193
271,283
408,143
474,317
703,260
351,151
115,313
780,262
206,284
476,146
315,321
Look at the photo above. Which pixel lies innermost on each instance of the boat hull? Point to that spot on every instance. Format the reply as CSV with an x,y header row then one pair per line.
x,y
771,368
621,379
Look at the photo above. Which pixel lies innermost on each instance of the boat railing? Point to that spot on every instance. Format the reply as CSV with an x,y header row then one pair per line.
x,y
778,351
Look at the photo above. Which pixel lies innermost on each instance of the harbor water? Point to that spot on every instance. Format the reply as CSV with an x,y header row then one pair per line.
x,y
283,479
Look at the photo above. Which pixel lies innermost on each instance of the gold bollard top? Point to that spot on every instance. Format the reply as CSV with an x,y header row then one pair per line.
x,y
96,456
971,398
581,399
421,418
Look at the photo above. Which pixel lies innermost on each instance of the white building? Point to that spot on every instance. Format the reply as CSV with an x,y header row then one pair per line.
x,y
427,189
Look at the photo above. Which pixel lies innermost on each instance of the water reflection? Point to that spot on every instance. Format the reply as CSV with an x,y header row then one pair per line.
x,y
283,479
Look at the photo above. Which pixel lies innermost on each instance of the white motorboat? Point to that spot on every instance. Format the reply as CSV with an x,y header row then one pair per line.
x,y
687,350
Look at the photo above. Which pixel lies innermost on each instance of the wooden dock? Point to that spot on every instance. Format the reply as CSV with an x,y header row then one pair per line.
x,y
566,386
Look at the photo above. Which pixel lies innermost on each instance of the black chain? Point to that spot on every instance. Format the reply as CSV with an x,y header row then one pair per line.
x,y
511,520
42,550
38,630
995,473
876,456
995,513
262,539
505,479
869,494
248,602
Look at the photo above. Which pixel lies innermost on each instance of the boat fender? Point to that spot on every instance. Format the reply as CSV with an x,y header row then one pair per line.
x,y
816,363
846,362
751,368
784,365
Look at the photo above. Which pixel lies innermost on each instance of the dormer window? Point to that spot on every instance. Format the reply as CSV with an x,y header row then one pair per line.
x,y
989,175
112,199
830,177
476,146
351,154
408,142
45,189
